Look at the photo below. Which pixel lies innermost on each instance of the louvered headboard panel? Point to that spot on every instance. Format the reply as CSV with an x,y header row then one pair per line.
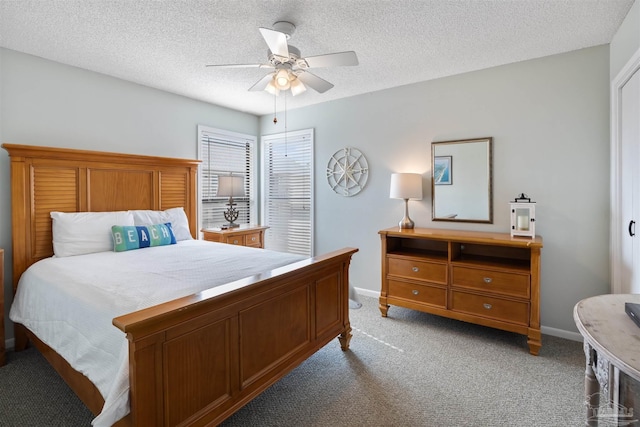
x,y
45,179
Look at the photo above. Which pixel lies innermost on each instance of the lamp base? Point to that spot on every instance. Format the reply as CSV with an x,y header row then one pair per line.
x,y
231,214
406,221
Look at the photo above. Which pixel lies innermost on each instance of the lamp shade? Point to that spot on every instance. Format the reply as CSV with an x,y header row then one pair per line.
x,y
406,186
230,186
297,87
282,79
272,88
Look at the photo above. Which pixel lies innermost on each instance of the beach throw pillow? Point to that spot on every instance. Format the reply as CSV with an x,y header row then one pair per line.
x,y
128,237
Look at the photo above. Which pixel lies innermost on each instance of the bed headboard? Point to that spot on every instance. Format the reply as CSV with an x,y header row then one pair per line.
x,y
45,179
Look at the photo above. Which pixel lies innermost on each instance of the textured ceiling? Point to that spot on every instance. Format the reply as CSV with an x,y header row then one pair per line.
x,y
166,44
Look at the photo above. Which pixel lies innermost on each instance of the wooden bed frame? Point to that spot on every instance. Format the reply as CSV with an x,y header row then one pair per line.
x,y
194,360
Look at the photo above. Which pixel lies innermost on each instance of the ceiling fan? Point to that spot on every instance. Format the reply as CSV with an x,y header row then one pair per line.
x,y
290,68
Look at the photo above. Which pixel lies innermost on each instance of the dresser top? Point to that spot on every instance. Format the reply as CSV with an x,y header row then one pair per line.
x,y
464,236
243,228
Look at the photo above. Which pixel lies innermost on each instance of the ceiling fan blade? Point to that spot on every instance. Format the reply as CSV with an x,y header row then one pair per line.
x,y
262,83
314,82
276,41
240,65
332,59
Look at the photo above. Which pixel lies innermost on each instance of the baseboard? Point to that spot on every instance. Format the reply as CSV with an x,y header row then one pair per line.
x,y
561,333
367,292
555,332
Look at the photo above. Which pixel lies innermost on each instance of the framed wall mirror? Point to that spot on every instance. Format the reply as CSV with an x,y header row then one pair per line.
x,y
461,180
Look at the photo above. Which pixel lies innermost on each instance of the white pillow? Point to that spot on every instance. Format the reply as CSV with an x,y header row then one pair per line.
x,y
80,233
176,216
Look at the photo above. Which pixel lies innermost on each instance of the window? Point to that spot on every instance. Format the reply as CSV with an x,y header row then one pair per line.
x,y
222,153
287,191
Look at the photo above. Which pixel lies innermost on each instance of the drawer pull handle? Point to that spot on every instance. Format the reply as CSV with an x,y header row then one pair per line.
x,y
488,280
415,269
235,242
415,292
253,239
487,306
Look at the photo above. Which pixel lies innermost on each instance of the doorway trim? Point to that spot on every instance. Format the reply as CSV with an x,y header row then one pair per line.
x,y
617,229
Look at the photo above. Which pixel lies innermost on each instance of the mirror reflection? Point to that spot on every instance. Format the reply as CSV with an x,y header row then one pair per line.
x,y
461,180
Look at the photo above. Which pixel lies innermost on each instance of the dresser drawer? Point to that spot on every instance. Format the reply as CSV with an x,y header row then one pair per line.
x,y
213,237
235,240
495,308
253,240
418,293
418,270
498,282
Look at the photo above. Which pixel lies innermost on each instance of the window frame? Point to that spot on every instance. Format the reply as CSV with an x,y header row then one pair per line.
x,y
234,137
287,137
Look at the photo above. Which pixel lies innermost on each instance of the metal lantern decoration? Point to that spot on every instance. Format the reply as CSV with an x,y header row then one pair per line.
x,y
523,217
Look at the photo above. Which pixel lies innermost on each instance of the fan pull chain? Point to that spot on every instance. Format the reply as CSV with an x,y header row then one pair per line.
x,y
275,119
286,148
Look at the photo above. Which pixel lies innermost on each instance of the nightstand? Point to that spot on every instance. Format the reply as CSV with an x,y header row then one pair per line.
x,y
245,235
2,349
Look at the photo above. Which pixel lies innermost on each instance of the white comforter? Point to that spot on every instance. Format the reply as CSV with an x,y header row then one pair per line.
x,y
69,303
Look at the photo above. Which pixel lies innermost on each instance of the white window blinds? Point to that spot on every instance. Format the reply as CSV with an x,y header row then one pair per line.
x,y
223,153
288,191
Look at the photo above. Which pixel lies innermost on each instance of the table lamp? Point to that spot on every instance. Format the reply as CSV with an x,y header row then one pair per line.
x,y
230,186
406,186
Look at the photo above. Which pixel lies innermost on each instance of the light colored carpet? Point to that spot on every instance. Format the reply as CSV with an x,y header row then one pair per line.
x,y
410,369
415,369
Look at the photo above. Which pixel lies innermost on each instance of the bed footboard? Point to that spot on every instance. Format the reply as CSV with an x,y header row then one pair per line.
x,y
197,360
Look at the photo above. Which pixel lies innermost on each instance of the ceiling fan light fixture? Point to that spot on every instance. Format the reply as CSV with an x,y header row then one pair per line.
x,y
288,65
272,88
282,79
297,87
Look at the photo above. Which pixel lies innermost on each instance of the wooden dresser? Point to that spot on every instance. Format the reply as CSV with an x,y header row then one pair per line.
x,y
490,279
245,235
2,337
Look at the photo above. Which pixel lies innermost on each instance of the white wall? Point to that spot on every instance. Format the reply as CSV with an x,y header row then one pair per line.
x,y
46,103
549,118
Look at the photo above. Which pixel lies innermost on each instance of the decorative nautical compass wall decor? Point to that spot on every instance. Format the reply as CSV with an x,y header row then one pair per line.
x,y
347,171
